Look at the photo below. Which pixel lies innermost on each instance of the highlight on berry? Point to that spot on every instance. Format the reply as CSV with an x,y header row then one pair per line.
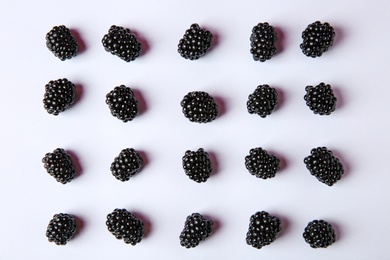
x,y
125,225
262,101
61,42
263,229
323,165
61,228
122,42
59,95
195,43
126,164
319,234
199,107
317,38
320,99
122,103
196,229
263,39
58,164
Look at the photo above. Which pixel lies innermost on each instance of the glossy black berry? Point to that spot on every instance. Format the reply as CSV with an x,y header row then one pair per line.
x,y
263,229
61,228
122,103
199,106
126,164
61,42
320,99
59,95
319,234
197,165
263,40
125,225
324,165
59,165
195,42
317,38
196,229
121,42
262,101
262,164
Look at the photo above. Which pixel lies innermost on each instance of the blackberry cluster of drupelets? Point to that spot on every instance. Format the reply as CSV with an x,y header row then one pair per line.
x,y
61,228
319,234
197,165
262,164
196,229
262,101
61,42
263,40
263,229
195,42
59,95
199,106
126,164
317,38
59,165
122,103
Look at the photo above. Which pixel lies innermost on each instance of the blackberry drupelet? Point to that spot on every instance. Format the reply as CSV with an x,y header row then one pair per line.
x,y
61,228
196,229
195,42
61,42
262,101
263,229
122,103
319,234
59,165
199,106
59,95
324,165
197,165
121,42
320,99
261,164
126,164
125,225
263,40
317,38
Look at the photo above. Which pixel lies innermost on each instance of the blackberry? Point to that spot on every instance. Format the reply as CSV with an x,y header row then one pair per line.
x,y
121,42
61,42
199,106
197,165
195,42
61,228
59,165
263,40
263,229
122,103
261,164
319,234
320,99
59,95
125,225
262,101
324,165
196,229
126,164
317,38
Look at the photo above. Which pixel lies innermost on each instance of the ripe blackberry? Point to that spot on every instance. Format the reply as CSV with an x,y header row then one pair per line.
x,y
61,228
196,229
324,165
195,42
59,95
263,229
122,103
121,42
61,42
199,106
126,164
125,225
261,164
263,40
197,165
59,165
317,39
320,99
262,101
319,234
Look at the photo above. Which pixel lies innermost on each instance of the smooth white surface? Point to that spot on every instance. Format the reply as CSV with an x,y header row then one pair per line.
x,y
357,67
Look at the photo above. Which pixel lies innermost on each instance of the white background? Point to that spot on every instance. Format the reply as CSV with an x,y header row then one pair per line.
x,y
357,132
